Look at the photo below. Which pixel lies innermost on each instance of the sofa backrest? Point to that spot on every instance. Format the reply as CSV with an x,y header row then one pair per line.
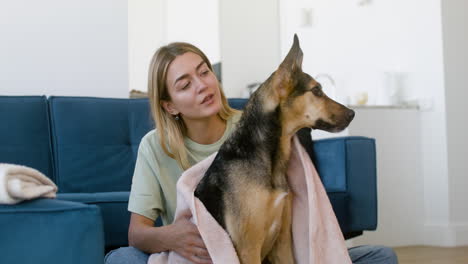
x,y
24,132
83,144
237,103
95,141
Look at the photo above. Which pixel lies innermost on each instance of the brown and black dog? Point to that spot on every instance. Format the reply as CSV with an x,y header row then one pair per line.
x,y
245,188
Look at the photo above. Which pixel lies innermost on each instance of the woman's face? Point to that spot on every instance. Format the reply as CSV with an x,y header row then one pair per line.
x,y
193,88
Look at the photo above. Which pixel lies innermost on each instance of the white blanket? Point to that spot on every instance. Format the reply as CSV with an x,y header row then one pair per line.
x,y
19,183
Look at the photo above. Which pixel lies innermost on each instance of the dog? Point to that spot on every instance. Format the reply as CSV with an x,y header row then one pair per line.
x,y
245,189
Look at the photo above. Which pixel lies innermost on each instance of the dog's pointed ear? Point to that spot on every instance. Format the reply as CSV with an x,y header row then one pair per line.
x,y
290,65
293,60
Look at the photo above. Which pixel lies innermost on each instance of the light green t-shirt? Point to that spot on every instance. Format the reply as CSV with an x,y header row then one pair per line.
x,y
153,191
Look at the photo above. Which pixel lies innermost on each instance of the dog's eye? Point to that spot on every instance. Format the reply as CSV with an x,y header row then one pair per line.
x,y
317,90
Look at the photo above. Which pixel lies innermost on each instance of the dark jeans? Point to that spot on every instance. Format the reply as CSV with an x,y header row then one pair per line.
x,y
359,255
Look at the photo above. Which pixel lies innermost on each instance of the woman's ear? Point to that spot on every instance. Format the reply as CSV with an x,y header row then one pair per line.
x,y
169,107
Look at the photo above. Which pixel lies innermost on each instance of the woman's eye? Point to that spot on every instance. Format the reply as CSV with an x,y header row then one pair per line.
x,y
205,72
185,86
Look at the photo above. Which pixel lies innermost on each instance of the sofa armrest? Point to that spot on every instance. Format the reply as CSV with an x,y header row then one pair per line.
x,y
51,231
347,168
348,164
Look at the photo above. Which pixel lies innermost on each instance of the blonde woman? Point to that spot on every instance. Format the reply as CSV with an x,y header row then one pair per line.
x,y
193,119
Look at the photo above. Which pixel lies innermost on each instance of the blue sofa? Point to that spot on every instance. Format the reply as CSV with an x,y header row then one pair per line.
x,y
88,147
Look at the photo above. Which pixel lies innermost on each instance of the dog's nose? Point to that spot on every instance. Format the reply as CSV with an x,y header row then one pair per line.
x,y
350,114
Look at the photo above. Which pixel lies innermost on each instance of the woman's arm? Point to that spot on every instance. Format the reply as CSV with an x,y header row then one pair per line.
x,y
143,235
182,237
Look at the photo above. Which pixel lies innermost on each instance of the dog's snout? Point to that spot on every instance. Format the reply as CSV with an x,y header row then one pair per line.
x,y
350,114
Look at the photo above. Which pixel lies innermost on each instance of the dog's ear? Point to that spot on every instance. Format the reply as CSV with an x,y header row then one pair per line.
x,y
290,65
293,60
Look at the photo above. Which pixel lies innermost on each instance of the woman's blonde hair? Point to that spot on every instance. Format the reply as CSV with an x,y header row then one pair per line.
x,y
171,132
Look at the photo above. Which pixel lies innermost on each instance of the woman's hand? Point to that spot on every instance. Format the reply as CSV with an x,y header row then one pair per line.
x,y
186,240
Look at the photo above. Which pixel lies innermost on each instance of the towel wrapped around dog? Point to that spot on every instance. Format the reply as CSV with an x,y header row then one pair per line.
x,y
317,238
19,183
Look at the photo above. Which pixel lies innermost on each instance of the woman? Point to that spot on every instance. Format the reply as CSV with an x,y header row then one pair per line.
x,y
193,119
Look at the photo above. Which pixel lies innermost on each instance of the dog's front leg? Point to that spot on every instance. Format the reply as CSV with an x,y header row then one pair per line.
x,y
246,220
282,251
249,257
247,243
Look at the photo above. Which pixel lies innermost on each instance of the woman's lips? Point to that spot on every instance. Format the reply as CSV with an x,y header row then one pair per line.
x,y
208,99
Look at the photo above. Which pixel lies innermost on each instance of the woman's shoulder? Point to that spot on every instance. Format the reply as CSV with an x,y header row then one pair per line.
x,y
150,142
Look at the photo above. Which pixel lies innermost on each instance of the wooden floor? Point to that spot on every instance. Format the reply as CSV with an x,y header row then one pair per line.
x,y
432,255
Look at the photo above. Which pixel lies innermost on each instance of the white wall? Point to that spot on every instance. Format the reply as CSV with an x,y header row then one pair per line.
x,y
156,23
454,21
249,33
146,32
55,47
196,22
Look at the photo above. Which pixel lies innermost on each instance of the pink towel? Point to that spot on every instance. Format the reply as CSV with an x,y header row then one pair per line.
x,y
317,237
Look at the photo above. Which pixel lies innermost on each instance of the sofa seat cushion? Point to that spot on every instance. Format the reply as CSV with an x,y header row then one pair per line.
x,y
115,214
51,231
95,198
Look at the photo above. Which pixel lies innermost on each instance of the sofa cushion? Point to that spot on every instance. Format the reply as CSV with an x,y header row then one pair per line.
x,y
348,165
340,204
24,133
115,215
96,141
237,103
331,163
362,182
51,231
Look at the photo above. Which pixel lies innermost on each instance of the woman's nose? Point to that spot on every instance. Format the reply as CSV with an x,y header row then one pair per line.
x,y
201,85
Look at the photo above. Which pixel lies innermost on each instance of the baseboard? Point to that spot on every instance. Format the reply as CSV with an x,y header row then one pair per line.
x,y
461,233
452,235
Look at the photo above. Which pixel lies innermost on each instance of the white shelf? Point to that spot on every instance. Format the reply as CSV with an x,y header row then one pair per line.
x,y
416,107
